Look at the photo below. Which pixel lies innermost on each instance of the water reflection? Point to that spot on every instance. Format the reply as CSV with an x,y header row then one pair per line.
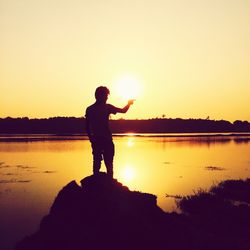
x,y
130,142
127,174
200,141
45,146
32,173
242,140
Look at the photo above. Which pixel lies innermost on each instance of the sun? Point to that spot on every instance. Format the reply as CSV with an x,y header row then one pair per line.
x,y
127,87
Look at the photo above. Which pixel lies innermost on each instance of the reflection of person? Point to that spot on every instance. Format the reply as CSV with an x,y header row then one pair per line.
x,y
97,127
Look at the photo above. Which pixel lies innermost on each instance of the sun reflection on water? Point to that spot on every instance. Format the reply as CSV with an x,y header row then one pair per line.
x,y
130,142
127,174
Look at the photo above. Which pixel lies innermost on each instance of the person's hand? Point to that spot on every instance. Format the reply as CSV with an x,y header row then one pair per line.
x,y
131,101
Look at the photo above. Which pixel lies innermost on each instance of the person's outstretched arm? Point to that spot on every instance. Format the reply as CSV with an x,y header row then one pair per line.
x,y
126,108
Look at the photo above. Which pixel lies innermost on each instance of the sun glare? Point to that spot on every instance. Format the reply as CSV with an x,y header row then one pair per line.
x,y
127,87
130,142
128,173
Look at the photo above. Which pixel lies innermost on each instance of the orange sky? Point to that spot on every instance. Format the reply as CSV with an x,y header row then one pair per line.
x,y
188,58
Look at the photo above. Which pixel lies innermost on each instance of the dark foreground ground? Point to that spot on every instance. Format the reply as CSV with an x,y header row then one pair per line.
x,y
104,214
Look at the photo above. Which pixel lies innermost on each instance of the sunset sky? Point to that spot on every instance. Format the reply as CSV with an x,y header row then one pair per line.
x,y
187,59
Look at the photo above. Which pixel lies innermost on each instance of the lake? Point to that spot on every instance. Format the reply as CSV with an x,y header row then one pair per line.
x,y
34,168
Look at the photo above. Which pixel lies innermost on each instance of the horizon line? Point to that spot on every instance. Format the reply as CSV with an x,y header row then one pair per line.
x,y
134,119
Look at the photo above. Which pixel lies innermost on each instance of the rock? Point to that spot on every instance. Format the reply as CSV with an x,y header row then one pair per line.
x,y
104,214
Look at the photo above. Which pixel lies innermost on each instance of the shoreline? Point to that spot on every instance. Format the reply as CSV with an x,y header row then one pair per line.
x,y
69,137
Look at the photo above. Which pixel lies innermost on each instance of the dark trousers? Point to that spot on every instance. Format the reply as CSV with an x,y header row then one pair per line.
x,y
103,149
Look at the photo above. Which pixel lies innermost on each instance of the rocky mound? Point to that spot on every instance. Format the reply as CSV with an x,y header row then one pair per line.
x,y
104,214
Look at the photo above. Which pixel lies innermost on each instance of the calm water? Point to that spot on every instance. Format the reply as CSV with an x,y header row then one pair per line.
x,y
32,172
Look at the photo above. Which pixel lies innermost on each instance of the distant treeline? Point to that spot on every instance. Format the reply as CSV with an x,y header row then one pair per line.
x,y
73,125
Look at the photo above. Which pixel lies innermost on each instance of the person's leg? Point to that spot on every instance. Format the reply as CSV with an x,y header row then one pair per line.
x,y
97,156
109,152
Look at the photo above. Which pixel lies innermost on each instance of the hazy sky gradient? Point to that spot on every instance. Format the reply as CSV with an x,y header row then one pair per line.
x,y
192,57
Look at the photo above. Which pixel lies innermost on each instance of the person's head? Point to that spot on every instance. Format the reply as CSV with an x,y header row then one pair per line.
x,y
101,94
